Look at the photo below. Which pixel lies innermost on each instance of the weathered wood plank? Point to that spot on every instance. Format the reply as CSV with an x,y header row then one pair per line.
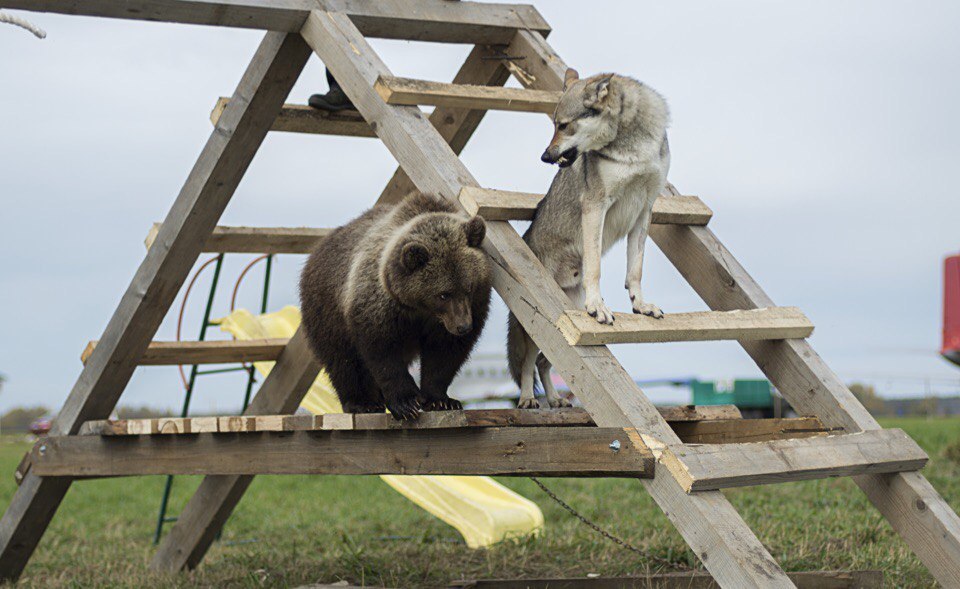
x,y
256,240
298,118
424,20
908,501
726,431
506,205
201,201
691,580
532,451
410,92
205,352
204,515
720,420
581,329
721,466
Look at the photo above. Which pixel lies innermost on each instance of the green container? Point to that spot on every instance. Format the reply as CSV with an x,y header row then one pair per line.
x,y
745,393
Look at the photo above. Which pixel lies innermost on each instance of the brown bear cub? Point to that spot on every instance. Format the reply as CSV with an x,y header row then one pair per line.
x,y
398,282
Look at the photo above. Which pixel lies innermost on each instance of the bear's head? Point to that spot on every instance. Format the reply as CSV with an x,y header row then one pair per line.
x,y
436,267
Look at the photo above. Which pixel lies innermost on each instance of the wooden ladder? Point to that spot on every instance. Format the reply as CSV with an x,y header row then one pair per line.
x,y
686,476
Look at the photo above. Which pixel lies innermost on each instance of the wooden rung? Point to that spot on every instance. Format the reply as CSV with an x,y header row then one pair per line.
x,y
256,240
770,323
720,466
410,92
297,118
681,580
210,352
728,431
573,416
506,205
531,451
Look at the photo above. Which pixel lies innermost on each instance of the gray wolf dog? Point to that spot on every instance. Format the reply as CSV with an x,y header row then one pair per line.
x,y
398,282
610,142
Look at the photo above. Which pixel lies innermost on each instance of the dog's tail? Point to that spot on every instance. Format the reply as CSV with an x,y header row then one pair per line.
x,y
517,343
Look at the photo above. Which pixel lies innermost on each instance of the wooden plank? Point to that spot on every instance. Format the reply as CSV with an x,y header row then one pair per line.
x,y
205,352
907,500
201,201
256,240
506,205
532,451
298,118
715,426
707,521
410,92
424,20
581,329
726,431
684,580
721,466
204,515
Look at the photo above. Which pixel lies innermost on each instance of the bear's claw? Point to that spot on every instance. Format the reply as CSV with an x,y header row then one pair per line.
x,y
447,404
404,409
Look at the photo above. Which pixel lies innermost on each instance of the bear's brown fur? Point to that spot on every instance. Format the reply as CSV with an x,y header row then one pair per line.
x,y
398,282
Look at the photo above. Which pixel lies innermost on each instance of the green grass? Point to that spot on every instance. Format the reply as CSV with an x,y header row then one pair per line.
x,y
296,530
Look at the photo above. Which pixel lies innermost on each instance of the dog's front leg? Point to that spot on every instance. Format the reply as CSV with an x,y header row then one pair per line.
x,y
594,212
636,240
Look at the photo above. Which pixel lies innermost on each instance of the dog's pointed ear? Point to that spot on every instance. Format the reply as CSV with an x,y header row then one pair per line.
x,y
570,77
475,230
597,92
414,256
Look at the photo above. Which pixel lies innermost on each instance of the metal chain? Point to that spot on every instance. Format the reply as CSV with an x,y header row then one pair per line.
x,y
606,534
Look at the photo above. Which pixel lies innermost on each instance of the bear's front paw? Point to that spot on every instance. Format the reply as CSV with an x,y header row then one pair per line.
x,y
446,404
404,409
530,403
597,308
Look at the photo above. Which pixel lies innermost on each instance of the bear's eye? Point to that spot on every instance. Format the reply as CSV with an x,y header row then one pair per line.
x,y
444,296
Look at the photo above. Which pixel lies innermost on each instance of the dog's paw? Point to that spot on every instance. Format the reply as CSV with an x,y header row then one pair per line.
x,y
648,309
404,409
530,403
447,404
598,309
559,402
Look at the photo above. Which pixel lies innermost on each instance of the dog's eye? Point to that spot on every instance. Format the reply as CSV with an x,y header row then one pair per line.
x,y
562,126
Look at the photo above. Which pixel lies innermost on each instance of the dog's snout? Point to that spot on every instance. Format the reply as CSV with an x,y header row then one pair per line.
x,y
547,157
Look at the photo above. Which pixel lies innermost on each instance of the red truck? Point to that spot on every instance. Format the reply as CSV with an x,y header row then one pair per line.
x,y
950,349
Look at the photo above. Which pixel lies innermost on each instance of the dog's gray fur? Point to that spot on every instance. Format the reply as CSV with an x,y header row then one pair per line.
x,y
611,145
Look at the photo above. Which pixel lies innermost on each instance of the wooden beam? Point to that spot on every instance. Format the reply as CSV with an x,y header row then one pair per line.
x,y
907,500
410,92
684,580
206,352
721,466
506,205
581,329
707,521
422,20
530,451
206,192
256,240
728,431
204,515
298,118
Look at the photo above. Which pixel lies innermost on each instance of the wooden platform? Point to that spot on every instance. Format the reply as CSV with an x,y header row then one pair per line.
x,y
507,205
721,466
299,118
206,352
509,451
255,240
410,92
682,580
772,323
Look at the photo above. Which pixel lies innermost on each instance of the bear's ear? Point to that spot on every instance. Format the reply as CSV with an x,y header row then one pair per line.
x,y
414,256
475,230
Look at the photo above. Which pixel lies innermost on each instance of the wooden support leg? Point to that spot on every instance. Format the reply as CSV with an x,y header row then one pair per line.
x,y
709,523
216,498
908,501
204,516
208,189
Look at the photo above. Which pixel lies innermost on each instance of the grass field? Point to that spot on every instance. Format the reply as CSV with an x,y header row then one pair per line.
x,y
296,530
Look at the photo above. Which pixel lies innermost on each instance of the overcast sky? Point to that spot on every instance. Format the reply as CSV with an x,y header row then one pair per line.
x,y
825,136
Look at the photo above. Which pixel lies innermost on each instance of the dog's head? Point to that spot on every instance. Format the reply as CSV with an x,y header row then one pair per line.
x,y
585,119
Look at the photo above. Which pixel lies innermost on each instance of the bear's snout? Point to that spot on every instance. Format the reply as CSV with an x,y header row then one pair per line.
x,y
464,328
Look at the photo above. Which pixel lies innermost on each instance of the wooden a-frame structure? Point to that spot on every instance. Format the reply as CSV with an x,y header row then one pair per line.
x,y
508,39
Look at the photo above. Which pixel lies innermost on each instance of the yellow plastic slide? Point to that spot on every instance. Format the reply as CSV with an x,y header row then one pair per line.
x,y
482,510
